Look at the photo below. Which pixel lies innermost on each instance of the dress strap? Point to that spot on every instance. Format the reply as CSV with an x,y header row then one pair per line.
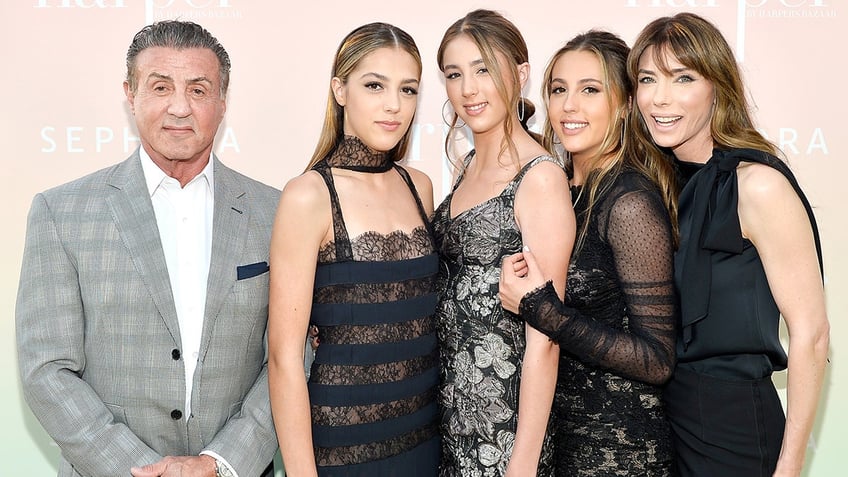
x,y
405,176
465,161
341,240
516,181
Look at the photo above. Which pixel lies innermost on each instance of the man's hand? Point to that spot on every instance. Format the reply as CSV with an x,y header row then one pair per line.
x,y
178,466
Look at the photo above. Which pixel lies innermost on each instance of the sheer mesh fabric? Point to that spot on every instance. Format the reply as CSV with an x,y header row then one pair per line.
x,y
616,332
623,322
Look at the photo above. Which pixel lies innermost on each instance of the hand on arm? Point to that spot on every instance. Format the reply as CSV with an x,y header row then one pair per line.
x,y
302,223
546,219
638,231
774,219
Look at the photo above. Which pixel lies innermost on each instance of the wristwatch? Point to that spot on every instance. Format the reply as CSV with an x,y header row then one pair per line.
x,y
222,470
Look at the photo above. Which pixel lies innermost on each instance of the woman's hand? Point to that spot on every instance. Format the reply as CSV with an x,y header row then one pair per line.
x,y
520,274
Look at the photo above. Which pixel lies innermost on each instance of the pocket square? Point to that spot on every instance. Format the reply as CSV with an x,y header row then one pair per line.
x,y
249,271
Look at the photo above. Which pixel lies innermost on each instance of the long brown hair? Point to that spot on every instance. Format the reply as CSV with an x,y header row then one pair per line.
x,y
697,44
615,151
492,33
357,45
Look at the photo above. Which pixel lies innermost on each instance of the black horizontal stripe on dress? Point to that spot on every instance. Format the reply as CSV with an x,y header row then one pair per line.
x,y
354,272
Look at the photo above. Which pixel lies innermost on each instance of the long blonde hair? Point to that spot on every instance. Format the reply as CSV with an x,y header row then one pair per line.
x,y
357,45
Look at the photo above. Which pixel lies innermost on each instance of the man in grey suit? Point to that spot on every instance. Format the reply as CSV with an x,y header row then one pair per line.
x,y
143,298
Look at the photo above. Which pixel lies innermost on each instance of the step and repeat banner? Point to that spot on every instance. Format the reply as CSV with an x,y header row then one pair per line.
x,y
64,114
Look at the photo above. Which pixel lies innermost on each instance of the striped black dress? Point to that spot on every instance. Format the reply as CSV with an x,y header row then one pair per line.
x,y
373,383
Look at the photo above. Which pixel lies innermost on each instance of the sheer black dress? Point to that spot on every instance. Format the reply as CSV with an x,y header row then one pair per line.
x,y
373,383
616,332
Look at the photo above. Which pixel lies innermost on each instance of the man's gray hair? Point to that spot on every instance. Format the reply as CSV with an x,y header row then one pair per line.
x,y
178,35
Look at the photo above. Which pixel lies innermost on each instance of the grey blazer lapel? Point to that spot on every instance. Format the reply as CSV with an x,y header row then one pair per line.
x,y
133,214
229,233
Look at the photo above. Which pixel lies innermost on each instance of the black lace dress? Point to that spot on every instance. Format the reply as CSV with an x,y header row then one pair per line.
x,y
373,383
482,346
616,333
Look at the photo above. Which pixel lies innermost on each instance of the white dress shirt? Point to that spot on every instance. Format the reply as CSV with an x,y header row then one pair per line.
x,y
184,218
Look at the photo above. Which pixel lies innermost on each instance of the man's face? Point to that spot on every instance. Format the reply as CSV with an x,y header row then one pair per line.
x,y
178,104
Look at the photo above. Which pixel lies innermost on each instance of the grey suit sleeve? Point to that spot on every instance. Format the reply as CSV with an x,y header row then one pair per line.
x,y
50,329
248,441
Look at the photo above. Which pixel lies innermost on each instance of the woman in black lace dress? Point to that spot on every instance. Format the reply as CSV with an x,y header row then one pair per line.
x,y
616,326
498,375
748,255
352,253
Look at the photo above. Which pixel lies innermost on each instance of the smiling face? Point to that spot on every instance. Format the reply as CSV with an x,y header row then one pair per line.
x,y
380,97
579,107
178,104
677,105
470,86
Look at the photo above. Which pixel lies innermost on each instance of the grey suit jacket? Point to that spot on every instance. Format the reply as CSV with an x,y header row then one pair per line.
x,y
98,338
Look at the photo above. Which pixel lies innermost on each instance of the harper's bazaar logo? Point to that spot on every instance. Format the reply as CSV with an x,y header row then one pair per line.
x,y
80,4
671,3
123,3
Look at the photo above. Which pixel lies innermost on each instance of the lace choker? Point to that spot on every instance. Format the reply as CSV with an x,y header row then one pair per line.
x,y
354,155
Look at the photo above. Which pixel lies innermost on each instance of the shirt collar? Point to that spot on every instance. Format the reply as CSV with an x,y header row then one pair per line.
x,y
153,175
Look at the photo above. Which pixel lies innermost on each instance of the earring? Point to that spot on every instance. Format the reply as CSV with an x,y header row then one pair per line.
x,y
521,109
451,124
623,131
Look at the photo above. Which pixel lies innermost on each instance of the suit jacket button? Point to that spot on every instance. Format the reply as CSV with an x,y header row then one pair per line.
x,y
176,414
175,353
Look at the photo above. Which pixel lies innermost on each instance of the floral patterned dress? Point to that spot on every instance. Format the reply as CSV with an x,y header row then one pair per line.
x,y
482,345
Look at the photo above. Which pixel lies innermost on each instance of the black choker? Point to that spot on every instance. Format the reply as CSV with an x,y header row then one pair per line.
x,y
352,154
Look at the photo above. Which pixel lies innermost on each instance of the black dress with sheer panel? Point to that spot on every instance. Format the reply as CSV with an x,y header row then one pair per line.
x,y
373,383
616,332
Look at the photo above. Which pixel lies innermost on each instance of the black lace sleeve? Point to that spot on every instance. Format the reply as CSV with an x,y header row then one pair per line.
x,y
638,231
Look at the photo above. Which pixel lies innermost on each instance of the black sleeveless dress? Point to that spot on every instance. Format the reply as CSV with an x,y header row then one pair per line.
x,y
724,410
482,345
372,386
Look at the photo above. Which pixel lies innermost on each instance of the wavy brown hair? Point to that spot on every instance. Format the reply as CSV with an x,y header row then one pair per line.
x,y
697,44
615,151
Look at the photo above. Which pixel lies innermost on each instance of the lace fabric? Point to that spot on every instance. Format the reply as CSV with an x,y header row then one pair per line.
x,y
352,154
616,331
373,383
482,346
373,246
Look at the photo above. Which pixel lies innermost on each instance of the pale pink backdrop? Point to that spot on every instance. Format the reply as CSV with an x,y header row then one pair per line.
x,y
64,114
